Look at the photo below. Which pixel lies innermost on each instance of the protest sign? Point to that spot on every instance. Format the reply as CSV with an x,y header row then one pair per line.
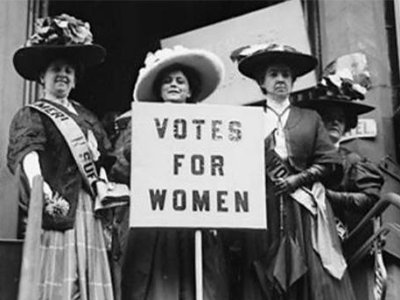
x,y
197,166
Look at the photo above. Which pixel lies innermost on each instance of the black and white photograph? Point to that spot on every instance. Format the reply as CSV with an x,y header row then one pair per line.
x,y
200,150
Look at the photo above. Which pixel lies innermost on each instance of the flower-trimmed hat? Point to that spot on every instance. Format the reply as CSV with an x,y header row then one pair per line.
x,y
252,59
207,66
344,83
62,36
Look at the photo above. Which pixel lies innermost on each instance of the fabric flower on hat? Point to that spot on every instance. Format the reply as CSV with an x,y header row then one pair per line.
x,y
251,59
204,63
153,58
345,81
60,30
246,51
162,54
347,76
62,36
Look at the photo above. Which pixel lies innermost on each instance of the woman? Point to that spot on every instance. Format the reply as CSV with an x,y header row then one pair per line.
x,y
360,186
299,256
159,264
73,262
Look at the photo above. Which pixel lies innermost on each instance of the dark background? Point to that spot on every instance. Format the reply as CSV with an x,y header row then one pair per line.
x,y
130,29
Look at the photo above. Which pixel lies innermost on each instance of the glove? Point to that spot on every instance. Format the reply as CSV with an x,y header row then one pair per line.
x,y
47,191
31,168
293,182
357,202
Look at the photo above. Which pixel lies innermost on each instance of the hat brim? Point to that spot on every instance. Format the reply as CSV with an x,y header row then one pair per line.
x,y
206,64
31,61
347,105
300,63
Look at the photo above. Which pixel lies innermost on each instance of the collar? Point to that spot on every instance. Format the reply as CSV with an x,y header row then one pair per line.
x,y
278,106
64,102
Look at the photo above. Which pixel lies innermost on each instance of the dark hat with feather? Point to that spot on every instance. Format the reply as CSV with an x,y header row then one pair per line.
x,y
255,58
344,83
62,36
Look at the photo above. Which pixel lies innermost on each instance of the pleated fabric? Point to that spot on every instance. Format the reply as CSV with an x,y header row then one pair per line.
x,y
73,263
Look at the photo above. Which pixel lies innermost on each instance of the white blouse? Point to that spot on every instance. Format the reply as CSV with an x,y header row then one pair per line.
x,y
276,116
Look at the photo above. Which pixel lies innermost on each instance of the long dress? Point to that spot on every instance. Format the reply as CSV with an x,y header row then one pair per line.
x,y
281,263
159,263
74,263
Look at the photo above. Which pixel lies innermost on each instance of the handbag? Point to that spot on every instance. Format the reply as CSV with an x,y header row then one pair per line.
x,y
110,194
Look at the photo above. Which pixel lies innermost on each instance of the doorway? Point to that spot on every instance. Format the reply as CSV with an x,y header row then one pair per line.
x,y
130,29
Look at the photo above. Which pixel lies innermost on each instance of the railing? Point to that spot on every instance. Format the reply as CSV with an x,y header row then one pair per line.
x,y
29,280
376,211
374,243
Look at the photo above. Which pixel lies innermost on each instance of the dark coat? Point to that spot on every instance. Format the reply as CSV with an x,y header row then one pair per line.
x,y
265,255
159,263
360,176
31,130
307,140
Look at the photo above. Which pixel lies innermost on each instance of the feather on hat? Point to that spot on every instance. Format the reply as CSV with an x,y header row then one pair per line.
x,y
345,82
251,59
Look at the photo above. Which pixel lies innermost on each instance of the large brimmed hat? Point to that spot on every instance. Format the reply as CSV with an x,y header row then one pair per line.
x,y
324,99
62,36
254,58
344,83
205,64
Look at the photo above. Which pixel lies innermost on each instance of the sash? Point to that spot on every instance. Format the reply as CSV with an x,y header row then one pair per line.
x,y
75,139
277,168
324,241
324,237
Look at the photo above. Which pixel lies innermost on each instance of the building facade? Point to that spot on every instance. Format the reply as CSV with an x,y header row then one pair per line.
x,y
129,29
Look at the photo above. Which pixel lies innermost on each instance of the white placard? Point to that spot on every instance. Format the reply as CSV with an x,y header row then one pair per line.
x,y
197,166
282,23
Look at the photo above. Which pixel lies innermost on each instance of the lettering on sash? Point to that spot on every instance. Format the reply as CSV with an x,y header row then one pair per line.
x,y
276,168
75,139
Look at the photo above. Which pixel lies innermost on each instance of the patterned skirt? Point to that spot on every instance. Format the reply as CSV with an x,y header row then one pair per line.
x,y
74,263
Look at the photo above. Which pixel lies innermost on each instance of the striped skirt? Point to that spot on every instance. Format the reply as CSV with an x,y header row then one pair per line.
x,y
74,263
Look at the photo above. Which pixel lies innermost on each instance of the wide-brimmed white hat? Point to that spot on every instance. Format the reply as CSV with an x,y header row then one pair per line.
x,y
205,64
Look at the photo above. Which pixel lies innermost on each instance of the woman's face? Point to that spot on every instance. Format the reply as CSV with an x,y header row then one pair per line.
x,y
175,87
59,79
278,81
335,122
